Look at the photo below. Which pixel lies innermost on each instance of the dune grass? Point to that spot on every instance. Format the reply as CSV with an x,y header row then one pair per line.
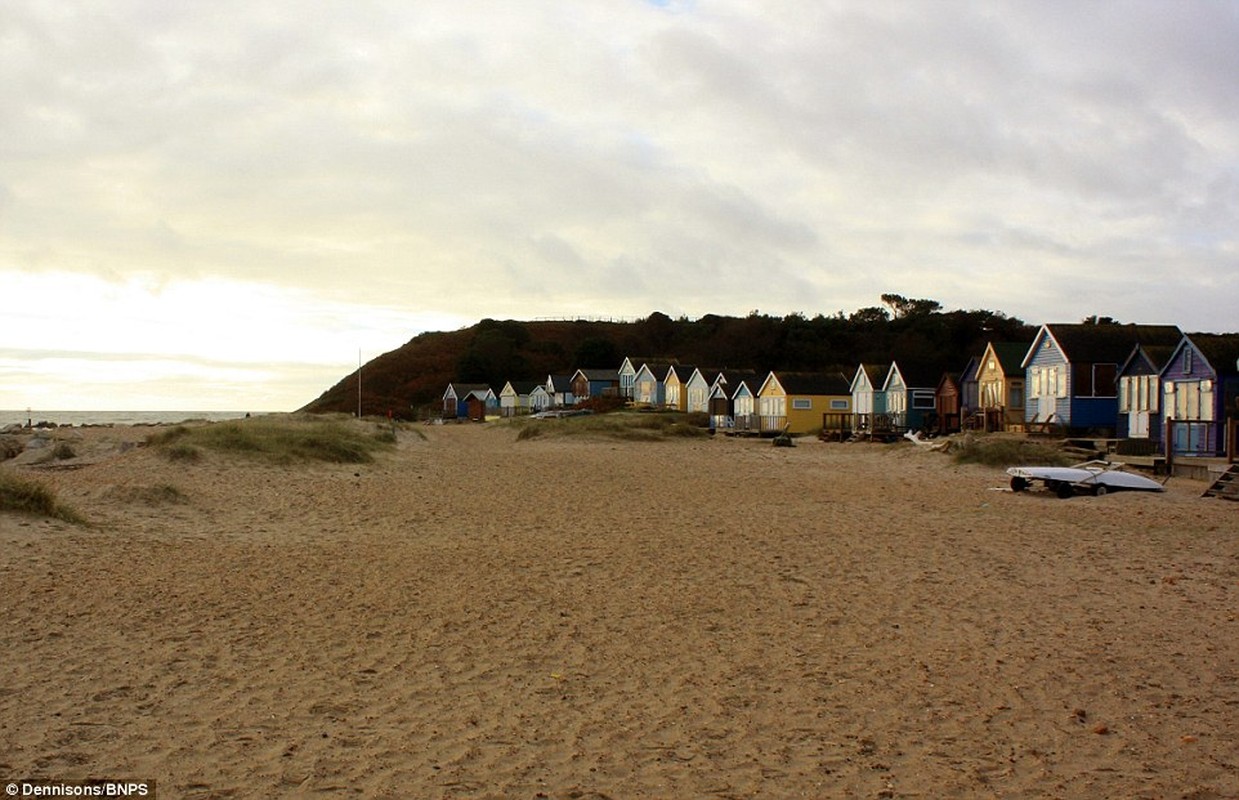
x,y
154,495
30,497
625,426
1007,451
281,440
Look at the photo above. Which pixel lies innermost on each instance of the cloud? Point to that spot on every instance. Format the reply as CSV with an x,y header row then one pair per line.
x,y
500,160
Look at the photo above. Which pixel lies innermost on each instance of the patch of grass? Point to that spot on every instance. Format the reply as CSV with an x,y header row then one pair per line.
x,y
625,426
276,439
1007,451
157,495
31,497
164,438
64,451
184,453
527,432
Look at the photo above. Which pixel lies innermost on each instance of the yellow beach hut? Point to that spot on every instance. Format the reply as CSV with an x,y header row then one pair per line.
x,y
675,386
797,401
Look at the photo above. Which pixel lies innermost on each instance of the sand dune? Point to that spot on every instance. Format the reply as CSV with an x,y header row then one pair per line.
x,y
474,616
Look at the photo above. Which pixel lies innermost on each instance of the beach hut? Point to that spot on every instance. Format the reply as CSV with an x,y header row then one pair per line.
x,y
910,396
627,377
588,383
867,401
478,403
1200,389
450,398
796,401
647,386
559,387
969,389
720,408
720,400
1071,372
539,398
1140,396
697,389
948,404
675,386
1000,387
468,401
514,398
743,387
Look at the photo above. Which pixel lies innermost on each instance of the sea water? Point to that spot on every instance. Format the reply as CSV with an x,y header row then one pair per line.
x,y
35,416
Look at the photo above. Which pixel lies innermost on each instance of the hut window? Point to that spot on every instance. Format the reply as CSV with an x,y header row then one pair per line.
x,y
838,405
1104,379
802,404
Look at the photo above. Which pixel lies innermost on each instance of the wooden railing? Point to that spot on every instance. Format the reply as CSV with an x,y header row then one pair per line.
x,y
877,425
772,424
837,426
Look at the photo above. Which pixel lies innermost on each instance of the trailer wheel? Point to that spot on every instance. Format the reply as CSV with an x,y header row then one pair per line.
x,y
1019,484
1099,490
1064,490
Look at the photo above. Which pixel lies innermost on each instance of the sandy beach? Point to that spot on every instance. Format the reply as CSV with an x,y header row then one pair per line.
x,y
476,616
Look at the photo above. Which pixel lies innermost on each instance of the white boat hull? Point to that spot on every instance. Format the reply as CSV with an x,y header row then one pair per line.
x,y
1096,478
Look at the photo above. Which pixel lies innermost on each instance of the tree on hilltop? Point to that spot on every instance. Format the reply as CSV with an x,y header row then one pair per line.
x,y
903,307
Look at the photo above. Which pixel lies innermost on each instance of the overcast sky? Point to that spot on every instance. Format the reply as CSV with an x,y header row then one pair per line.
x,y
216,205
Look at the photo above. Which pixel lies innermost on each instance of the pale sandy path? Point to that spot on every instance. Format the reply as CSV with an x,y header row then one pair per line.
x,y
479,617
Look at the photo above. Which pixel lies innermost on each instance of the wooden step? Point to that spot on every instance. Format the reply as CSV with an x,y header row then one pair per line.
x,y
1226,486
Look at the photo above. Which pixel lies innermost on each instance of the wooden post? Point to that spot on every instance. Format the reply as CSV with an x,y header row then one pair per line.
x,y
1232,439
1168,443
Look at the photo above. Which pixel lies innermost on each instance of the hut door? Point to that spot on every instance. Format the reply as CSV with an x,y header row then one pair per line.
x,y
1046,406
1138,425
1189,438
